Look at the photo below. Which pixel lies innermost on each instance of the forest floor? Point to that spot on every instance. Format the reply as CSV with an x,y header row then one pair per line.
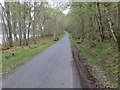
x,y
93,64
16,56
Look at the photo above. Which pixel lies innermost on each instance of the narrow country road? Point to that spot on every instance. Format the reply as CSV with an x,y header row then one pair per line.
x,y
53,68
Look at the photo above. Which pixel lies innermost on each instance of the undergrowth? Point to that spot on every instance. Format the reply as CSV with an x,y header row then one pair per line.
x,y
104,55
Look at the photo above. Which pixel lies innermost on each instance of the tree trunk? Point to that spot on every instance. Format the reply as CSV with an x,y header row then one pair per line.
x,y
7,7
109,22
20,34
24,26
54,21
28,34
34,33
15,34
20,30
118,38
29,27
100,22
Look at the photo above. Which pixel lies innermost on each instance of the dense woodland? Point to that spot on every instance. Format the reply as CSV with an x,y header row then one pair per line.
x,y
97,22
25,23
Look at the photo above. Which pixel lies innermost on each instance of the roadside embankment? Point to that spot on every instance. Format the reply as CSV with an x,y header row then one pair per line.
x,y
97,66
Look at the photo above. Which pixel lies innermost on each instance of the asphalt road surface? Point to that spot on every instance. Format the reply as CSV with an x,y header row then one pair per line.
x,y
53,68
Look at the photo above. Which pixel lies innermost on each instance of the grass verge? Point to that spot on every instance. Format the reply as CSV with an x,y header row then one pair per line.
x,y
105,57
22,55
